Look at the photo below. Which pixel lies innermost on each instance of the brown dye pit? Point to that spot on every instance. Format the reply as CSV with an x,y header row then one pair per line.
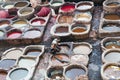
x,y
113,4
65,19
78,29
112,17
59,57
112,44
20,4
61,29
33,52
3,75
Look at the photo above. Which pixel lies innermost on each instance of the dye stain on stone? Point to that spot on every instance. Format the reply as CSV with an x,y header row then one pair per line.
x,y
59,59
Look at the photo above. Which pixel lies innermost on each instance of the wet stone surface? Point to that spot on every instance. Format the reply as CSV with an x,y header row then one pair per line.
x,y
95,61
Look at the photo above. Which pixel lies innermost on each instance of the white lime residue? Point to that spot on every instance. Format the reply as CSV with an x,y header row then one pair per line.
x,y
1,33
32,34
8,6
83,18
81,49
78,58
56,4
84,7
13,54
37,23
27,63
113,57
19,25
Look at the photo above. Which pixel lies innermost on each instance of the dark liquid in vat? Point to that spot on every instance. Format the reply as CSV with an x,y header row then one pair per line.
x,y
20,4
62,30
55,73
